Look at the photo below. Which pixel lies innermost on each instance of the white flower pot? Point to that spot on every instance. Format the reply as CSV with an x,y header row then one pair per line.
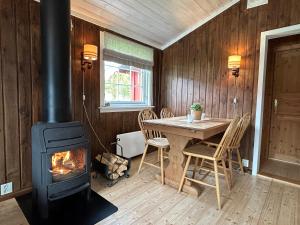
x,y
196,114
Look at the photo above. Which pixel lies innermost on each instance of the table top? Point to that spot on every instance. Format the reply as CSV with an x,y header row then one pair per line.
x,y
207,123
201,129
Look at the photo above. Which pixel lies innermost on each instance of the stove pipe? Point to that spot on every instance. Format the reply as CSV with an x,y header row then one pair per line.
x,y
56,70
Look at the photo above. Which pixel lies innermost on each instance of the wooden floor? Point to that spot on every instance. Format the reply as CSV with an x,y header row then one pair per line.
x,y
141,199
281,170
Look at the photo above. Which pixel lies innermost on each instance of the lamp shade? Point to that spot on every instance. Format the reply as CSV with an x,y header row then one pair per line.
x,y
90,52
234,61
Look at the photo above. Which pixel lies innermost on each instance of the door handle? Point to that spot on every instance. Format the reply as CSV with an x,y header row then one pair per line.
x,y
275,105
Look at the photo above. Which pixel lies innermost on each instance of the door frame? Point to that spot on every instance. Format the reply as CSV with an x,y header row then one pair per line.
x,y
264,40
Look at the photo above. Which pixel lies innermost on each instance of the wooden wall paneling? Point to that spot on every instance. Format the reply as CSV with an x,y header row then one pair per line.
x,y
210,68
185,77
21,89
196,83
101,128
191,70
35,56
92,87
174,78
164,79
168,79
249,79
242,50
116,127
24,75
157,71
87,76
226,35
284,12
96,94
233,49
179,65
203,60
261,26
272,14
2,130
218,49
295,9
10,93
108,130
240,33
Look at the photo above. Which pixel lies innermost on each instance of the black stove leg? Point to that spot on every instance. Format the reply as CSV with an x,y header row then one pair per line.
x,y
43,204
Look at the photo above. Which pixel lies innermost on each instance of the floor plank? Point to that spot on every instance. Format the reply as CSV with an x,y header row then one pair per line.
x,y
142,200
11,214
281,170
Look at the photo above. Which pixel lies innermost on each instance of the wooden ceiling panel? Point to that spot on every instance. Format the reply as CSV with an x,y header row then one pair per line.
x,y
158,23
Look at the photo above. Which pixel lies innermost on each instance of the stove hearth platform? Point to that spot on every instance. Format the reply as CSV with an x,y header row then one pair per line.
x,y
73,210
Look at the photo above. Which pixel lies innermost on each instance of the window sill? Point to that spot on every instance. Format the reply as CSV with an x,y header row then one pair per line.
x,y
108,109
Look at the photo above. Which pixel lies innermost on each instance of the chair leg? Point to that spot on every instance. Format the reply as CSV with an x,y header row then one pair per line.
x,y
217,183
143,157
184,173
240,160
158,154
195,167
202,162
162,166
230,164
226,175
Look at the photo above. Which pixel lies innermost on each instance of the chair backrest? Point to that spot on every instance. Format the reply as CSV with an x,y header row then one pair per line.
x,y
166,113
148,114
227,138
242,127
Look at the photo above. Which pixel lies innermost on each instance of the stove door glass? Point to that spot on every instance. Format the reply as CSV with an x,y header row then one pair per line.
x,y
68,164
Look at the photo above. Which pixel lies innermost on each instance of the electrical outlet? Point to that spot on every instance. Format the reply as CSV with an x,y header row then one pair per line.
x,y
245,162
6,188
235,101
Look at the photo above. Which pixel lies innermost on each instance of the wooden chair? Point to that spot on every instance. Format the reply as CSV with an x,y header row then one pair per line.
x,y
166,113
152,138
236,142
215,155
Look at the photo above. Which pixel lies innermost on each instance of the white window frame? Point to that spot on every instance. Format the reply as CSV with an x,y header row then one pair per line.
x,y
122,107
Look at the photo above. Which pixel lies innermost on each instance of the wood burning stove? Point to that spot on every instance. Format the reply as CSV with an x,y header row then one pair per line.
x,y
60,162
60,148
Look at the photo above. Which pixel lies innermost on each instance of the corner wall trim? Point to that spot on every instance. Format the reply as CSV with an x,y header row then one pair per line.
x,y
265,37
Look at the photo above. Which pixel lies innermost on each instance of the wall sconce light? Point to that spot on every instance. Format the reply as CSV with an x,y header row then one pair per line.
x,y
89,54
234,63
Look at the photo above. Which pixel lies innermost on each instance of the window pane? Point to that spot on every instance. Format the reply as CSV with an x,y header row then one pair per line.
x,y
125,84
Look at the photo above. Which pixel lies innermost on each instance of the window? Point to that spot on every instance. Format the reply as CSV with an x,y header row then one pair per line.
x,y
126,78
126,84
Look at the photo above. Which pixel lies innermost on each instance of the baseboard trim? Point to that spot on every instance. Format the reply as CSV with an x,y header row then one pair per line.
x,y
15,194
279,179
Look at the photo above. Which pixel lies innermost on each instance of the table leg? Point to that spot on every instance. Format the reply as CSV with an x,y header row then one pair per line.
x,y
175,168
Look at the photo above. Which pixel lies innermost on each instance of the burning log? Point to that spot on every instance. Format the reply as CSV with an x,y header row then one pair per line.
x,y
116,165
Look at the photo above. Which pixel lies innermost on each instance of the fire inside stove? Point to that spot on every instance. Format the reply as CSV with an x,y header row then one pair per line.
x,y
68,164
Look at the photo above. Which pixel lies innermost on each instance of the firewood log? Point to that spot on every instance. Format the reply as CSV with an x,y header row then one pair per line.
x,y
110,157
113,168
113,176
121,169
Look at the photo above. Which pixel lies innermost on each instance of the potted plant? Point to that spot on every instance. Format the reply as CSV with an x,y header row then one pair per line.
x,y
196,111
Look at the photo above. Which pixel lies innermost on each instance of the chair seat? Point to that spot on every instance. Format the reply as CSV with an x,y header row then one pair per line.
x,y
158,142
200,150
213,140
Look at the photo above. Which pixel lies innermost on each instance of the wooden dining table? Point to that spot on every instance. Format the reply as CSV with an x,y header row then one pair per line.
x,y
179,132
